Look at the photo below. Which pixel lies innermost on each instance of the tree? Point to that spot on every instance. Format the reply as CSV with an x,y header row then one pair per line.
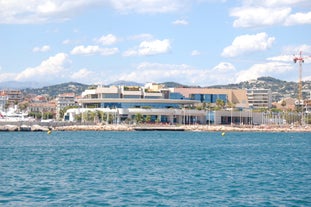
x,y
148,119
63,111
220,103
23,106
230,105
47,115
283,104
139,118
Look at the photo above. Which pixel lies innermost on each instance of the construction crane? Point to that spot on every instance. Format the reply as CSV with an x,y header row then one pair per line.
x,y
300,60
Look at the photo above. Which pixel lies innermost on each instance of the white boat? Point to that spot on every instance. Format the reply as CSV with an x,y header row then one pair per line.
x,y
13,116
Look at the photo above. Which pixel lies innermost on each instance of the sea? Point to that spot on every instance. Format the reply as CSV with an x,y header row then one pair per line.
x,y
155,168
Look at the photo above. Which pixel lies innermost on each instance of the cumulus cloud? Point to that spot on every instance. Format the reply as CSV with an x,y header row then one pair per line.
x,y
224,67
157,72
282,58
42,11
36,11
275,3
183,73
298,18
49,69
264,69
154,6
143,36
259,16
296,49
44,48
153,47
289,52
248,43
82,75
93,49
180,22
255,13
107,39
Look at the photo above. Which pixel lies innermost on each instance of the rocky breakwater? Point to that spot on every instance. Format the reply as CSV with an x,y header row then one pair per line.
x,y
112,127
23,128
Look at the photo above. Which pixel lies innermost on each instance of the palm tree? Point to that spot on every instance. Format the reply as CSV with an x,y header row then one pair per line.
x,y
220,103
139,118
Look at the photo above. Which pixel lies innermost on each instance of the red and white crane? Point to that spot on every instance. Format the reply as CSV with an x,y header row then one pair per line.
x,y
300,60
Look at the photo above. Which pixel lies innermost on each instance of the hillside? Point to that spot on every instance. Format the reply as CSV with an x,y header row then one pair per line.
x,y
278,87
54,90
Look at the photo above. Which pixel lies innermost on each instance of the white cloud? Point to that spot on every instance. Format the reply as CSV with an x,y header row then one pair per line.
x,y
42,11
180,22
149,6
107,39
224,67
254,13
275,3
38,11
143,36
282,58
93,49
289,52
153,47
298,18
185,74
82,75
264,69
157,72
195,53
248,43
7,76
295,50
44,48
259,16
49,69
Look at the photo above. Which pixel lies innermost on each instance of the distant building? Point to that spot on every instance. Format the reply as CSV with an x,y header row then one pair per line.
x,y
65,100
10,97
43,107
285,104
259,98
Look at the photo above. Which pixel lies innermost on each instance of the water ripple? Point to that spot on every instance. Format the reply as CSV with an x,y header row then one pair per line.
x,y
155,169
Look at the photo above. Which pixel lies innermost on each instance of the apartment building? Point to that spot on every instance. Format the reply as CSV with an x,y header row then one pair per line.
x,y
259,98
65,100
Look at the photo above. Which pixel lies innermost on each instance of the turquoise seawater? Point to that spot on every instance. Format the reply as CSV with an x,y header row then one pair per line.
x,y
155,169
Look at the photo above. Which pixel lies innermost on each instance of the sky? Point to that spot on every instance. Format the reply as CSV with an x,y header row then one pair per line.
x,y
193,42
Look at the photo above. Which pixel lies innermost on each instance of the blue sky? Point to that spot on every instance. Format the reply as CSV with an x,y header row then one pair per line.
x,y
195,42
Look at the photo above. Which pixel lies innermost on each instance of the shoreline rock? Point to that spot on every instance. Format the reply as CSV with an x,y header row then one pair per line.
x,y
125,127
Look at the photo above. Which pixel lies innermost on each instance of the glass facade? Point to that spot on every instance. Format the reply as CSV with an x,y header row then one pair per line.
x,y
110,95
177,96
209,98
139,105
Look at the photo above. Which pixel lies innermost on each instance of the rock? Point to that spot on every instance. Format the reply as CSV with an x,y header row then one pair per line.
x,y
3,129
25,128
38,128
11,128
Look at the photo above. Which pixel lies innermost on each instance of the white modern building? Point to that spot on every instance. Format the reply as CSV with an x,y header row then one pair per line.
x,y
124,103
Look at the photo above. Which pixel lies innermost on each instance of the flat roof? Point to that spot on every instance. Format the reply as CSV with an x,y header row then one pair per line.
x,y
134,100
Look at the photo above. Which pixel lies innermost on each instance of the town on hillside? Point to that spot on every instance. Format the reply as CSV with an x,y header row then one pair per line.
x,y
157,103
